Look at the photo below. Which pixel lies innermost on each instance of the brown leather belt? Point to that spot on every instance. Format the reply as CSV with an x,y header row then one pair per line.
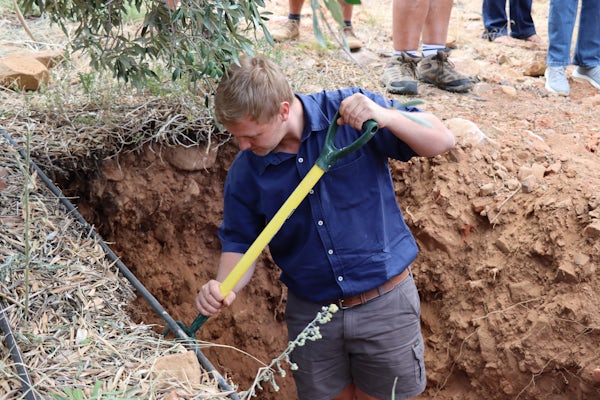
x,y
369,295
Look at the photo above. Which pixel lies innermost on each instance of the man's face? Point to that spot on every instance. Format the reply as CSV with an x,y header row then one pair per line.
x,y
260,138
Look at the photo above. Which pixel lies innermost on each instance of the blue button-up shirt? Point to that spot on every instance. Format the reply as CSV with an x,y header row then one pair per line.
x,y
348,235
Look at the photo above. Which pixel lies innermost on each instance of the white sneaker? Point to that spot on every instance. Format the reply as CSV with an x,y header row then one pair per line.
x,y
592,75
556,81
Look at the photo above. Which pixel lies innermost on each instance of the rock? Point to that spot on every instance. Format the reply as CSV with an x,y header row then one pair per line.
x,y
523,291
22,72
48,57
535,69
529,184
465,131
191,159
509,90
592,230
538,170
487,189
512,184
183,367
503,245
524,172
581,259
567,273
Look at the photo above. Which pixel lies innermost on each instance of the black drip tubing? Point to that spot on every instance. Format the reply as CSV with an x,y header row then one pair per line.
x,y
17,357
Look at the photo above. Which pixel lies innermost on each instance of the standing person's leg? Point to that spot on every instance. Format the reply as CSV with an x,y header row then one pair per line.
x,y
495,20
291,28
408,19
435,67
587,53
352,41
521,22
561,21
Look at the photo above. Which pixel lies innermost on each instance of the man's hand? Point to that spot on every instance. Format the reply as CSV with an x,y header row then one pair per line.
x,y
355,110
210,301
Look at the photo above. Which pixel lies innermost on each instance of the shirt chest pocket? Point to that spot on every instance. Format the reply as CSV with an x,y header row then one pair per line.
x,y
349,182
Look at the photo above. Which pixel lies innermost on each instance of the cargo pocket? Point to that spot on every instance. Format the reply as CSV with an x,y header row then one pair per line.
x,y
418,349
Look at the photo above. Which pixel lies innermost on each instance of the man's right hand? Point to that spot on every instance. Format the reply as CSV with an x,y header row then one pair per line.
x,y
210,300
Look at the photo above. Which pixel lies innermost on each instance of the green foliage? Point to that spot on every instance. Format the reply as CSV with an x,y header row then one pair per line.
x,y
196,39
97,394
78,394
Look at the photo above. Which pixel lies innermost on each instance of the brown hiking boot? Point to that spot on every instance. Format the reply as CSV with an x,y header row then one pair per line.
x,y
436,69
352,41
288,31
399,75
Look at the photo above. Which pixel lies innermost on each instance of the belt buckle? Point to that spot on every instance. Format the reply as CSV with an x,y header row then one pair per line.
x,y
341,306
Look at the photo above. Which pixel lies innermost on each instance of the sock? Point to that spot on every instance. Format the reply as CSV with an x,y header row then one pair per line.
x,y
295,17
431,49
348,23
412,53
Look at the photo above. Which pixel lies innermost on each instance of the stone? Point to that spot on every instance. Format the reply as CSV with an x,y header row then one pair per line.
x,y
465,131
182,367
191,159
23,72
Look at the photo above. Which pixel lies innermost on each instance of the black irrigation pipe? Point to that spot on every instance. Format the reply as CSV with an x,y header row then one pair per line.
x,y
173,326
15,352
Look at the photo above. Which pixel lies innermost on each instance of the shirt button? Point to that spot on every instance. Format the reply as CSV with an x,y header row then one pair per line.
x,y
329,251
320,223
300,160
340,278
311,191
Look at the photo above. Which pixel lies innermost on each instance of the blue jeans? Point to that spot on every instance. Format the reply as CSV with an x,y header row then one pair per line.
x,y
561,23
496,21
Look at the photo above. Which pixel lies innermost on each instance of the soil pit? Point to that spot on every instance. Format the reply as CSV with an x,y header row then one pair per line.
x,y
507,271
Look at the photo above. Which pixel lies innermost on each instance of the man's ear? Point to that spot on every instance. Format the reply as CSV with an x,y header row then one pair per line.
x,y
284,111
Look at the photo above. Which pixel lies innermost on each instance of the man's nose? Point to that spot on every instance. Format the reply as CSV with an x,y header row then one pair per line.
x,y
244,144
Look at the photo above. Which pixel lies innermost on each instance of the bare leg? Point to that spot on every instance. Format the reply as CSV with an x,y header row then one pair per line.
x,y
346,10
295,6
435,30
408,20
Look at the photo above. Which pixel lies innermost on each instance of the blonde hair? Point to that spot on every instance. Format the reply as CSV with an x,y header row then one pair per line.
x,y
255,88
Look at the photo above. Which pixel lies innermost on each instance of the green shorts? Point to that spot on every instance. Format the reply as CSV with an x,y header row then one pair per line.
x,y
375,346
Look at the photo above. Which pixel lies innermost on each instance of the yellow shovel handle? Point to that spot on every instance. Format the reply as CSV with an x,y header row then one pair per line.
x,y
244,264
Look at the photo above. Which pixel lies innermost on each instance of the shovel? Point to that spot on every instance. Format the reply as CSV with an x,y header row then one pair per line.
x,y
329,156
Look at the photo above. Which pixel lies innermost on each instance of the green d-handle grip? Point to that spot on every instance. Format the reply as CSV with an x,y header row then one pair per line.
x,y
331,154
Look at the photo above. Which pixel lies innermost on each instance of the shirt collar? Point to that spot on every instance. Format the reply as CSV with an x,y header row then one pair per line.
x,y
314,120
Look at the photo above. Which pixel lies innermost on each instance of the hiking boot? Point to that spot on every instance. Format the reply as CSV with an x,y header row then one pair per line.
x,y
399,75
592,75
288,31
438,70
352,41
556,80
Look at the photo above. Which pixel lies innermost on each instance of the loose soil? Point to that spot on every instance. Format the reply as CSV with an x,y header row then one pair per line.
x,y
508,223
